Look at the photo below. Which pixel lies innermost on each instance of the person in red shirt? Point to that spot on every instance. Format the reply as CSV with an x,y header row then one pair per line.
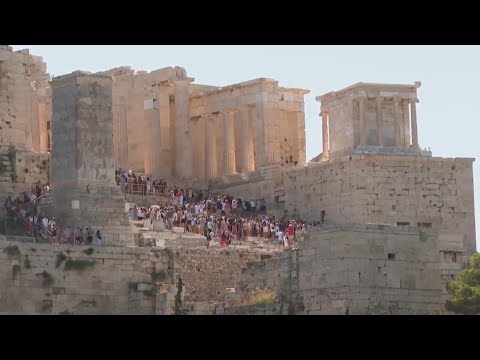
x,y
223,239
290,232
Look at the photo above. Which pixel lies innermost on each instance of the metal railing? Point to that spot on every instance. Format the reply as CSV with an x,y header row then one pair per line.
x,y
140,189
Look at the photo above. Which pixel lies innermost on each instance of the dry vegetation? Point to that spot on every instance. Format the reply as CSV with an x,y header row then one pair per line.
x,y
261,297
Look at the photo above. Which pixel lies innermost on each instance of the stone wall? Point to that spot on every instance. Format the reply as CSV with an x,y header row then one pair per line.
x,y
84,192
207,273
336,270
435,192
48,279
25,111
31,168
378,189
355,270
119,280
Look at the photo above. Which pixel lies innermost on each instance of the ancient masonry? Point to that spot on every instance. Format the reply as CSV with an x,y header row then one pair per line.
x,y
157,116
84,192
25,115
395,223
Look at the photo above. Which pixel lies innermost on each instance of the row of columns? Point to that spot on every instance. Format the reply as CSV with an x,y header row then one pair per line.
x,y
408,122
228,156
183,141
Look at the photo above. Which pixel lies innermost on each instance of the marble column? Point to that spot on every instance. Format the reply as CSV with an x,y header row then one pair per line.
x,y
363,125
252,111
351,119
406,123
35,120
152,136
268,126
246,138
325,133
229,138
380,135
413,109
122,132
210,148
183,146
147,153
396,123
43,118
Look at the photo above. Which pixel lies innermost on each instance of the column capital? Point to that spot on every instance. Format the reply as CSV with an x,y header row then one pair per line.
x,y
379,99
324,110
162,84
183,81
362,97
396,99
413,101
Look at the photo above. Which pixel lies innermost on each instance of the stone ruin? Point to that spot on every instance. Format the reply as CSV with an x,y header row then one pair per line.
x,y
395,223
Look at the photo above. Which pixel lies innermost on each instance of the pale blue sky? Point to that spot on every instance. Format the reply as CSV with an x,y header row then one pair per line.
x,y
448,112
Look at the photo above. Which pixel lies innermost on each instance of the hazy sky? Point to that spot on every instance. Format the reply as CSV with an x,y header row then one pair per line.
x,y
448,113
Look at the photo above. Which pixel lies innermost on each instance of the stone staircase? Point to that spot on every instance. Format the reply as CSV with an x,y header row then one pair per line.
x,y
177,238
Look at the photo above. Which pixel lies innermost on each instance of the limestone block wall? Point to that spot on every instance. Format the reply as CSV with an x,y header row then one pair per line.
x,y
31,168
82,173
390,190
47,279
378,189
207,273
359,269
266,183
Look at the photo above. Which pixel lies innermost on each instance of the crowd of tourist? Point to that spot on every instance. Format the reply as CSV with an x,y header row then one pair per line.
x,y
222,218
24,209
141,185
219,218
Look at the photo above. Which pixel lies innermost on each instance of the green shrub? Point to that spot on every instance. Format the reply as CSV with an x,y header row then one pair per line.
x,y
47,278
13,252
78,265
60,259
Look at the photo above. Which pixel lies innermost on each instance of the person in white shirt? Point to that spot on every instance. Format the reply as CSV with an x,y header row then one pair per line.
x,y
51,224
45,222
32,197
280,237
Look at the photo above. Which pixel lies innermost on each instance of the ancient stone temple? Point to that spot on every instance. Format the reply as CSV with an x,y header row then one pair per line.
x,y
158,115
373,118
25,113
84,192
388,223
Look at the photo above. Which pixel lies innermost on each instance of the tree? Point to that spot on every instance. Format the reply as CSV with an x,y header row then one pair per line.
x,y
465,290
